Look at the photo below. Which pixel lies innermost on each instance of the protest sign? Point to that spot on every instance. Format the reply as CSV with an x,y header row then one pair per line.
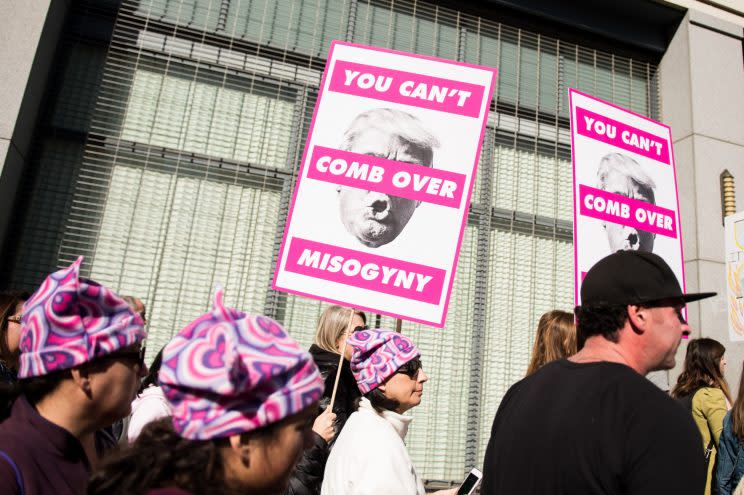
x,y
734,232
625,186
381,201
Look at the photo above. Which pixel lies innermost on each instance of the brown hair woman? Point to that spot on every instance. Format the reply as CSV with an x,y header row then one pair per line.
x,y
555,339
704,390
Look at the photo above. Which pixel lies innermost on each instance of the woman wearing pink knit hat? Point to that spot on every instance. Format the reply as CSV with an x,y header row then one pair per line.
x,y
370,456
243,396
79,368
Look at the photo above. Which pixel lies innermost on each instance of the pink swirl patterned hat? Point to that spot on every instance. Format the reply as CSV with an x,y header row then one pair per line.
x,y
228,373
377,354
70,320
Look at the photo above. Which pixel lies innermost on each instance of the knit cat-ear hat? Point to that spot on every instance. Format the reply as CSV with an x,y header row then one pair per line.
x,y
71,320
229,373
377,355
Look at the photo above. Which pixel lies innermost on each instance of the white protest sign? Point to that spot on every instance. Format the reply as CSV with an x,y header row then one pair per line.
x,y
381,201
734,232
625,186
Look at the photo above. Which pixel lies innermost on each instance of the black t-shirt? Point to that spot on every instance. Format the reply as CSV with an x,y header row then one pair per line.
x,y
596,428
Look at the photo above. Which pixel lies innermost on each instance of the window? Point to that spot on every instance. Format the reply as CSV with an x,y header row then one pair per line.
x,y
190,159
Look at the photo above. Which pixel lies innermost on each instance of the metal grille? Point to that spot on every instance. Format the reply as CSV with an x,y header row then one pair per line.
x,y
193,149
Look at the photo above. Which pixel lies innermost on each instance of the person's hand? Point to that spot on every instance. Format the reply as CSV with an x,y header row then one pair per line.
x,y
451,491
323,425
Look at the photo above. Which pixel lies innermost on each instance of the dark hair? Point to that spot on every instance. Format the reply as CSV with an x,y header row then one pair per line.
x,y
379,401
555,339
152,373
737,410
34,389
8,302
702,368
161,458
599,320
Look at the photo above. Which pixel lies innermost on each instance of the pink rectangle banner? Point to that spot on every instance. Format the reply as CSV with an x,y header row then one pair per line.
x,y
368,271
624,186
380,205
407,88
617,208
391,177
616,133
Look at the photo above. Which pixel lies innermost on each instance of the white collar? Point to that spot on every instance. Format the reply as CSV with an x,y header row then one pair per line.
x,y
398,421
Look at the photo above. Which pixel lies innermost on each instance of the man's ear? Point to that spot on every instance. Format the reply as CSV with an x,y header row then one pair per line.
x,y
638,316
240,445
81,378
381,387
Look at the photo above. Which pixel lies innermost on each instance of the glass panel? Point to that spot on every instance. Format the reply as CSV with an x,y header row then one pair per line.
x,y
184,235
532,182
200,117
528,276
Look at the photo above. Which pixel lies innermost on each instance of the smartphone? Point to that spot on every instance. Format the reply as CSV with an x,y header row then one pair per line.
x,y
471,482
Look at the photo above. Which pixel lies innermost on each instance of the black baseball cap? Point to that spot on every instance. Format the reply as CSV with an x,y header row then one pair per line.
x,y
633,277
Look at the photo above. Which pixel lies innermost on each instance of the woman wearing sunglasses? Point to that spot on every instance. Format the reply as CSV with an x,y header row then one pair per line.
x,y
326,350
370,455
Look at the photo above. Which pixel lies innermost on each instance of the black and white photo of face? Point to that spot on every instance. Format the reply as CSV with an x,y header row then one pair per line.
x,y
621,237
374,218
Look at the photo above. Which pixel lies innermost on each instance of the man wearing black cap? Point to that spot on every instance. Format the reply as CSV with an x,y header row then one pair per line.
x,y
592,423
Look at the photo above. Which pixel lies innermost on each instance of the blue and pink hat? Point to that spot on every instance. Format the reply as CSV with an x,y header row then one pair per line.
x,y
228,373
377,355
70,320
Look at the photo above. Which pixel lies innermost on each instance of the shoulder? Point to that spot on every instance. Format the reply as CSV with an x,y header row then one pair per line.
x,y
367,428
709,394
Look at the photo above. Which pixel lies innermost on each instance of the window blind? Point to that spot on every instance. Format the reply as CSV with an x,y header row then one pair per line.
x,y
191,152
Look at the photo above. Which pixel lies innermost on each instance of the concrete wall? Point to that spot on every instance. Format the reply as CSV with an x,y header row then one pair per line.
x,y
702,99
29,33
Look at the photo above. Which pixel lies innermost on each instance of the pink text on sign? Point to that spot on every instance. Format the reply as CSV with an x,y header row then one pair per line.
x,y
371,173
366,271
616,208
607,130
407,88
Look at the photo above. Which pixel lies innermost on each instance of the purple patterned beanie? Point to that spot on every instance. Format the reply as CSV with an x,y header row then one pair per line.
x,y
70,320
377,356
228,373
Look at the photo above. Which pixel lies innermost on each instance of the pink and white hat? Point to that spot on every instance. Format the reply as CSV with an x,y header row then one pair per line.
x,y
70,320
228,373
377,355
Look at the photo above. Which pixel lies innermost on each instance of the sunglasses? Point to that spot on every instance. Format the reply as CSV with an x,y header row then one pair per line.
x,y
360,328
15,319
665,304
411,368
133,356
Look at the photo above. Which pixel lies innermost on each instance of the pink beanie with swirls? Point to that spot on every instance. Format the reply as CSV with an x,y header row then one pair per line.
x,y
377,355
228,373
70,320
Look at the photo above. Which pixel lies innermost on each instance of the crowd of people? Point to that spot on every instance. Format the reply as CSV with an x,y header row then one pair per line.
x,y
232,404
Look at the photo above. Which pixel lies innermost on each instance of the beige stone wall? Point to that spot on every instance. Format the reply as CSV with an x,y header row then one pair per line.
x,y
702,99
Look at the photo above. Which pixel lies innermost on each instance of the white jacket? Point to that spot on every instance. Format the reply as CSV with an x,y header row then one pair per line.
x,y
369,456
147,407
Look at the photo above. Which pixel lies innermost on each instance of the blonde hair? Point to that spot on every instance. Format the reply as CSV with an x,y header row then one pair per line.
x,y
332,325
555,339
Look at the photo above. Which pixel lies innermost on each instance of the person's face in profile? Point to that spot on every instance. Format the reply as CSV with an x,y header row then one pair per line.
x,y
372,217
619,236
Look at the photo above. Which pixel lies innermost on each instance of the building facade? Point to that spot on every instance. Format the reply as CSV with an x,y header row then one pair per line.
x,y
161,139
